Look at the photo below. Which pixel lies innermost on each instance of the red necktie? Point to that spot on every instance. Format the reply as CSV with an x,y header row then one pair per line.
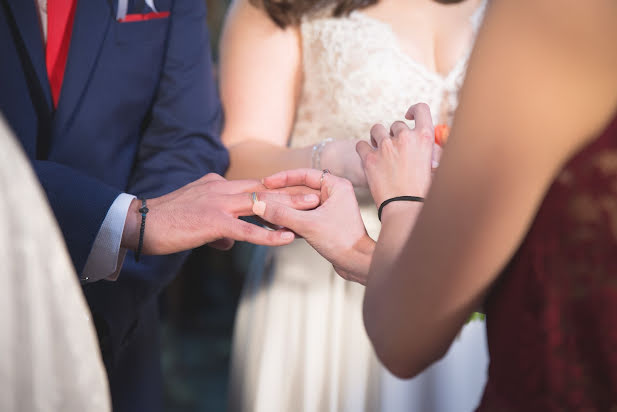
x,y
60,16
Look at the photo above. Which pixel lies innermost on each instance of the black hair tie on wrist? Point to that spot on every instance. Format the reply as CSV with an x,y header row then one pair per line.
x,y
395,199
144,211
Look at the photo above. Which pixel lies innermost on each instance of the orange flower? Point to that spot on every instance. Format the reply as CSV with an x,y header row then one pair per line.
x,y
442,131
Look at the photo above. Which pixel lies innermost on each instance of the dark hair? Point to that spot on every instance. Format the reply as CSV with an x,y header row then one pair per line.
x,y
289,12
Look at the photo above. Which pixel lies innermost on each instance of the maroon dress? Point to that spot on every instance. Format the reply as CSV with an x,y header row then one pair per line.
x,y
552,315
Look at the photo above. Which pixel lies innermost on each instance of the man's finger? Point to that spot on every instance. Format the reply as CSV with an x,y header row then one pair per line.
x,y
378,134
281,215
248,232
421,113
222,244
241,204
243,186
297,177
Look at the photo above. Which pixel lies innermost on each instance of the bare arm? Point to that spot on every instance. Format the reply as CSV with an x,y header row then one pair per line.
x,y
541,84
260,81
261,76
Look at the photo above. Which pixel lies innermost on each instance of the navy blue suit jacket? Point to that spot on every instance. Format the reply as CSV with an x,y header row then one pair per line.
x,y
138,113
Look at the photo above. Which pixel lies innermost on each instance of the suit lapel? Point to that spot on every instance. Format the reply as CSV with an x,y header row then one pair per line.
x,y
27,19
92,21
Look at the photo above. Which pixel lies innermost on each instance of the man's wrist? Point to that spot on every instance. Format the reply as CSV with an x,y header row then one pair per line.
x,y
130,235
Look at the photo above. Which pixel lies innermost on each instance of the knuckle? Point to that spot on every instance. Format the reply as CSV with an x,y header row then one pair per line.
x,y
423,107
425,133
247,231
376,128
346,186
277,214
404,133
272,237
212,176
399,124
371,160
387,145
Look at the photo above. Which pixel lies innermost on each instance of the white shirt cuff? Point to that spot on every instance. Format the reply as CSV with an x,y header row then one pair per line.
x,y
106,256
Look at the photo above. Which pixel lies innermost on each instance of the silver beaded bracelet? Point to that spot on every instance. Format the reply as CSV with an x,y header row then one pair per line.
x,y
316,153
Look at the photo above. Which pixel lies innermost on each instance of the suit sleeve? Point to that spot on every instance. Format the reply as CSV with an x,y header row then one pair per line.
x,y
79,207
181,143
182,140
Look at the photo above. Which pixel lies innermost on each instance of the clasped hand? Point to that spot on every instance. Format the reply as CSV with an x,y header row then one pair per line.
x,y
206,211
396,163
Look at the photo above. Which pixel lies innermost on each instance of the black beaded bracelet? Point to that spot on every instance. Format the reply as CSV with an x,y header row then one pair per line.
x,y
394,199
144,211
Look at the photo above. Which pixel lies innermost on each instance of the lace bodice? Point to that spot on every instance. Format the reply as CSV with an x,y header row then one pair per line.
x,y
356,74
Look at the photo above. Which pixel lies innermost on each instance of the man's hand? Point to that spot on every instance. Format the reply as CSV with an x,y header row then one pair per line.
x,y
206,212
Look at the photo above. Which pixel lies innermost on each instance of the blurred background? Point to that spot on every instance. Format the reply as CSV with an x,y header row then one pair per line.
x,y
198,310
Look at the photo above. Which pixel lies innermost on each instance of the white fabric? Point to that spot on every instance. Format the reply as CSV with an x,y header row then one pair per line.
x,y
300,343
123,6
106,256
49,354
150,4
42,8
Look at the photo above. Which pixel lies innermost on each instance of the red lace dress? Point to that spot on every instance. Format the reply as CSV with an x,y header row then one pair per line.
x,y
552,316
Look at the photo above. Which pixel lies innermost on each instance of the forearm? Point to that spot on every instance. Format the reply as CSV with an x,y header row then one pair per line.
x,y
398,220
254,159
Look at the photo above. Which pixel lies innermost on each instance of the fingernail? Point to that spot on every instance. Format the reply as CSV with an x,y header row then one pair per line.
x,y
311,198
287,236
259,208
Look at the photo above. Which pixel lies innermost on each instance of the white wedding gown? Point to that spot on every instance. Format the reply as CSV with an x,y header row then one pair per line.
x,y
49,354
299,343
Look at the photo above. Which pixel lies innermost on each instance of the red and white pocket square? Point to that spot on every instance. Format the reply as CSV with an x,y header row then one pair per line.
x,y
144,17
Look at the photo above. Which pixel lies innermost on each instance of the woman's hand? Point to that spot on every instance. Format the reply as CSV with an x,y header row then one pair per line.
x,y
335,229
341,159
399,162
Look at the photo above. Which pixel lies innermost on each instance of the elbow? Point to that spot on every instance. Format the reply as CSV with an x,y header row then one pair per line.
x,y
404,363
402,372
403,353
405,368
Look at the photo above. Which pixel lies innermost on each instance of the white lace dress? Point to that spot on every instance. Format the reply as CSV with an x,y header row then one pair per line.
x,y
300,344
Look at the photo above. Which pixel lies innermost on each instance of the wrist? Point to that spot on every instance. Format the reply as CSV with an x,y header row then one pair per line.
x,y
130,234
400,208
320,155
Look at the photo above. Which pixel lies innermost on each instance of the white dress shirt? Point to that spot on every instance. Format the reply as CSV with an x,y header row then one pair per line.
x,y
106,256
